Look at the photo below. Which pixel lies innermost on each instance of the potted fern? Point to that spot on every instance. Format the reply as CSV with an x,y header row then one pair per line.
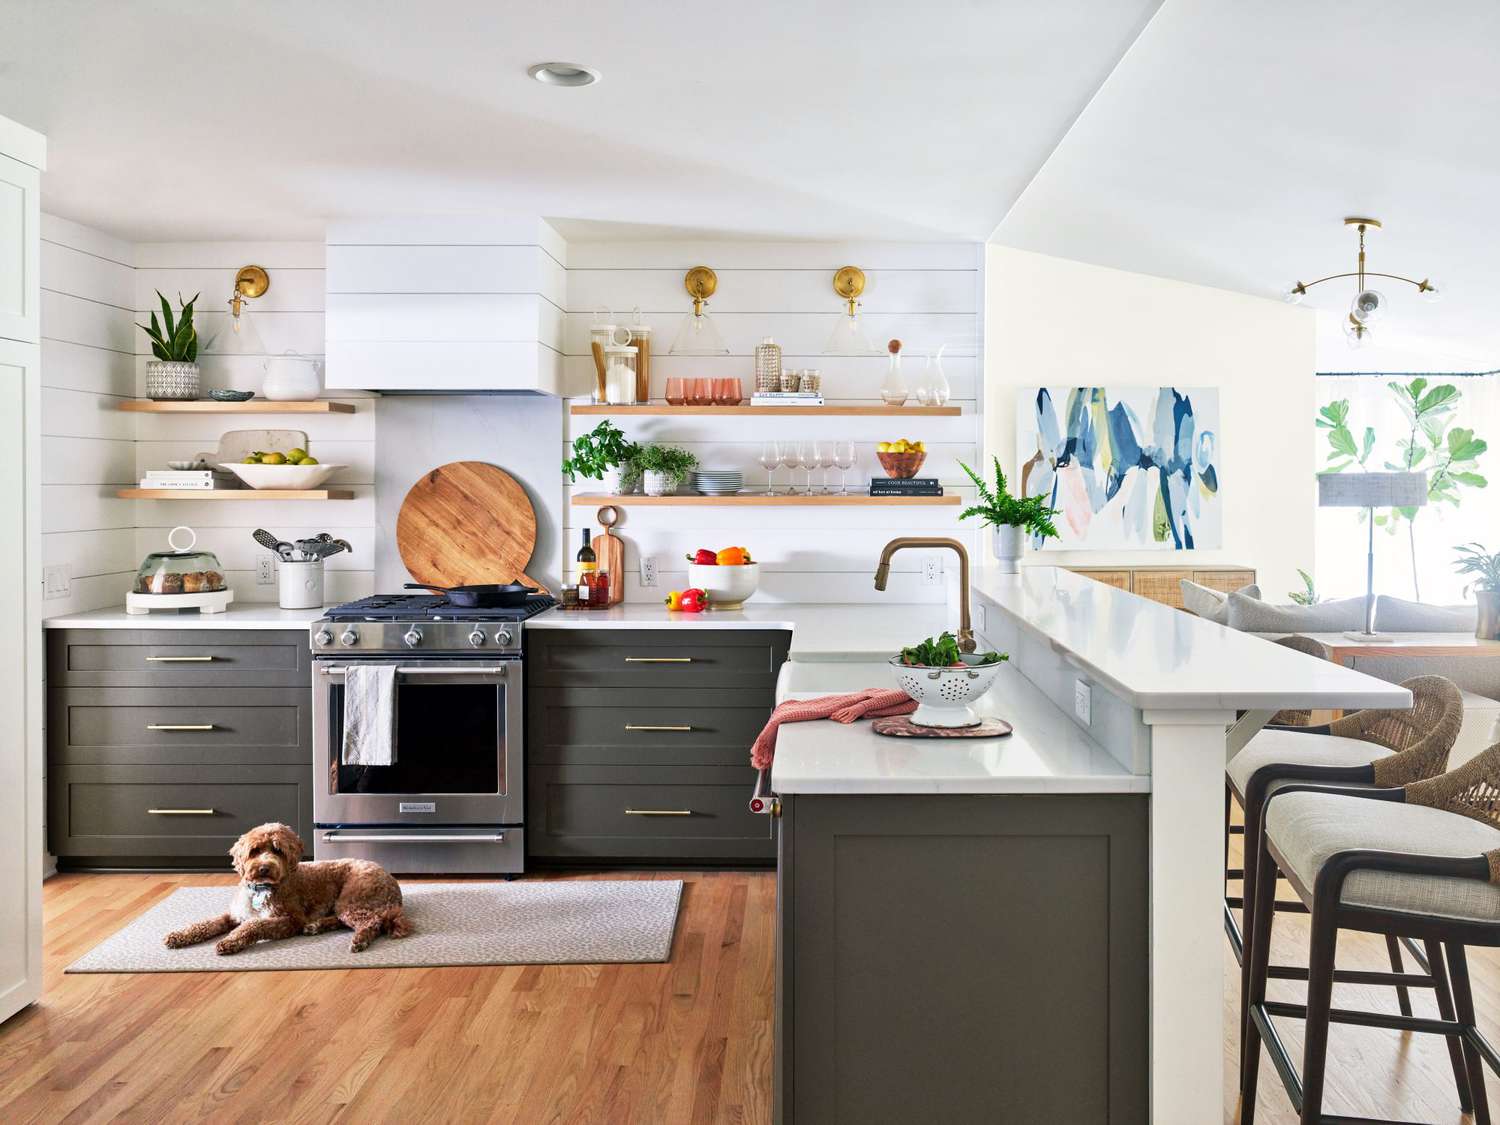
x,y
1010,516
1474,560
173,375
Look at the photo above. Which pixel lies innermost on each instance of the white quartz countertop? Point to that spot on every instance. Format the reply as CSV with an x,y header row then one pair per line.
x,y
235,617
1046,753
819,632
1155,657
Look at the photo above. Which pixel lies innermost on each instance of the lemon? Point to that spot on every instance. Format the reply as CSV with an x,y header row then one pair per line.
x,y
273,459
882,447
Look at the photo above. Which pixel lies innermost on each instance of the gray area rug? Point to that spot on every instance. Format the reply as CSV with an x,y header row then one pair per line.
x,y
552,923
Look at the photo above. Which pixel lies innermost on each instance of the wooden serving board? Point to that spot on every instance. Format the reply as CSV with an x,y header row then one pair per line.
x,y
467,523
610,554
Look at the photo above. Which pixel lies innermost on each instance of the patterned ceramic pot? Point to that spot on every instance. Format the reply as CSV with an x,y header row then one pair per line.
x,y
170,381
1008,547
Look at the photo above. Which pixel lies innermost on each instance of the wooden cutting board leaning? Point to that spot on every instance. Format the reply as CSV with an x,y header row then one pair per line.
x,y
467,523
609,551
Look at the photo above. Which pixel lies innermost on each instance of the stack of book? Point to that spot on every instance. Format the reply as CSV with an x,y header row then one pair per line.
x,y
188,480
786,398
909,486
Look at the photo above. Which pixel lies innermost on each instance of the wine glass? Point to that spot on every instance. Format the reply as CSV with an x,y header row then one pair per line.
x,y
791,457
807,457
770,461
843,457
827,458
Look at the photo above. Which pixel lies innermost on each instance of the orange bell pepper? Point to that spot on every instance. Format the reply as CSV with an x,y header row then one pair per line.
x,y
733,556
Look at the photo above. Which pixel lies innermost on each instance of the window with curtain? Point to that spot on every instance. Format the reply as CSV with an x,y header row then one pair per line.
x,y
1452,435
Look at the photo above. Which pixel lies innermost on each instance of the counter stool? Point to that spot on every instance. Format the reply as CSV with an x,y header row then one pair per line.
x,y
1420,862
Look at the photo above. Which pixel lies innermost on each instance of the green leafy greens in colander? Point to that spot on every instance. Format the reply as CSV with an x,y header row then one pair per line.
x,y
943,653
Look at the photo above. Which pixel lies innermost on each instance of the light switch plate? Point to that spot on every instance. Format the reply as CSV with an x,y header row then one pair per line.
x,y
1083,702
56,582
979,618
265,569
648,571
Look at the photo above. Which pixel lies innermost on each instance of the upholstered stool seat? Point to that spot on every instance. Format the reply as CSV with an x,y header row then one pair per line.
x,y
1292,747
1307,828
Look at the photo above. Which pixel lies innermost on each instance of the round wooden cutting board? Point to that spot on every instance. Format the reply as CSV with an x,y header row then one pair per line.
x,y
467,523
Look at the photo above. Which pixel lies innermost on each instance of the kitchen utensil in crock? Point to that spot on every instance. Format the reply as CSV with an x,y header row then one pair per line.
x,y
610,553
466,523
271,543
480,597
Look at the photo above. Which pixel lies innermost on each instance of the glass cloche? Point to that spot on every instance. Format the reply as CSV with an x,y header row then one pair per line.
x,y
181,570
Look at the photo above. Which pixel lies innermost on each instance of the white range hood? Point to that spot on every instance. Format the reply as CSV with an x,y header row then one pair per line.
x,y
423,305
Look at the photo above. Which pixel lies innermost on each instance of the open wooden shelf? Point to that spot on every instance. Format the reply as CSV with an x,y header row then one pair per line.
x,y
871,411
754,500
235,494
254,406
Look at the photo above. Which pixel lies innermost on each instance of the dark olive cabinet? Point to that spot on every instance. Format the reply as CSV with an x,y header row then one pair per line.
x,y
638,743
962,959
164,745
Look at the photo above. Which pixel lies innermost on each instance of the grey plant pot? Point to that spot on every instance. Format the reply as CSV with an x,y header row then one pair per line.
x,y
1487,625
1008,547
170,381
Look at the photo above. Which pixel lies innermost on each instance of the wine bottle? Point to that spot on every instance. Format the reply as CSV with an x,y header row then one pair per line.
x,y
588,567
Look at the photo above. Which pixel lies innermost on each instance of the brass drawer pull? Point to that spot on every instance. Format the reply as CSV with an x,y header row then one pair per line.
x,y
181,812
643,726
180,726
179,659
658,812
658,660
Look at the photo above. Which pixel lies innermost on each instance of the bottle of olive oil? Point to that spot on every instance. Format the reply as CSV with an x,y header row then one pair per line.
x,y
588,570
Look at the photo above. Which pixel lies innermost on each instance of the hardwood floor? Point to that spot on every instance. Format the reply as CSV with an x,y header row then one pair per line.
x,y
687,1041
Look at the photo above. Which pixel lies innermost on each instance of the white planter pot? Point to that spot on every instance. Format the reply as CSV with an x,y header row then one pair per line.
x,y
169,381
291,378
1008,547
660,484
612,481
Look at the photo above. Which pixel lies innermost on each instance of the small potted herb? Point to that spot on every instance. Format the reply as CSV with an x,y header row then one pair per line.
x,y
173,374
1009,516
664,467
603,454
1474,560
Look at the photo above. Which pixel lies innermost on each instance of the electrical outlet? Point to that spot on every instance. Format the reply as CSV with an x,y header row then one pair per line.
x,y
979,617
648,571
932,571
56,582
1083,702
265,569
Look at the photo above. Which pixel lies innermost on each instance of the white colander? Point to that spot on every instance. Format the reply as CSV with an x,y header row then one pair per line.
x,y
943,695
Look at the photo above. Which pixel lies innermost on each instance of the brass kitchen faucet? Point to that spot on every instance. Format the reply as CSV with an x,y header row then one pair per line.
x,y
883,572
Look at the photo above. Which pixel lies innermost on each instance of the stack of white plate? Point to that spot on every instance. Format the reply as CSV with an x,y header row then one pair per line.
x,y
717,482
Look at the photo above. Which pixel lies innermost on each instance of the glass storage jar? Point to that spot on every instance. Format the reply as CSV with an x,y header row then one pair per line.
x,y
181,570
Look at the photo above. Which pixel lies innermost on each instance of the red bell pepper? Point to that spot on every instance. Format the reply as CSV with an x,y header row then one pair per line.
x,y
693,601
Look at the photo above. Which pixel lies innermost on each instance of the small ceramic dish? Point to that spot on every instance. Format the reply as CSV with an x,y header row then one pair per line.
x,y
231,396
187,466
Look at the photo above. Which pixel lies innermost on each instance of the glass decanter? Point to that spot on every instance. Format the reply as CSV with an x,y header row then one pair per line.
x,y
893,391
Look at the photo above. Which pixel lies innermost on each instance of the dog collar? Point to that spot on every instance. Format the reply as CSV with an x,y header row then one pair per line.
x,y
260,895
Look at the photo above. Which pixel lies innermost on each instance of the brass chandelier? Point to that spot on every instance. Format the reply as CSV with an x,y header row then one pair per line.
x,y
1368,307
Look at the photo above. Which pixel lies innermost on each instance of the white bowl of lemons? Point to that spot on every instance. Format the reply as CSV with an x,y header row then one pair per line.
x,y
293,470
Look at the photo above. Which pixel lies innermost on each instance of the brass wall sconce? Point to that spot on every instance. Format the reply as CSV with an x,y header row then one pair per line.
x,y
249,283
698,335
848,337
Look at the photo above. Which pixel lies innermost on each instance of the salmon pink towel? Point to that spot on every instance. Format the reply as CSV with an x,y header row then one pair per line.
x,y
872,703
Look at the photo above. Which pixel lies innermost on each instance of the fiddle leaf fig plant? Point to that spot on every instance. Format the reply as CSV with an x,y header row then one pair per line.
x,y
998,508
173,340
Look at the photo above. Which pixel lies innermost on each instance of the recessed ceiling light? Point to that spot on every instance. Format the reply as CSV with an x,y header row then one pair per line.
x,y
563,74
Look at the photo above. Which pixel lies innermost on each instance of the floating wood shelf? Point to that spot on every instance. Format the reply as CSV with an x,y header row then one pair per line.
x,y
235,494
254,406
751,500
871,411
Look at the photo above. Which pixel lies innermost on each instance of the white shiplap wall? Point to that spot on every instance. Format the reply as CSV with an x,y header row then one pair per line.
x,y
926,295
88,368
289,317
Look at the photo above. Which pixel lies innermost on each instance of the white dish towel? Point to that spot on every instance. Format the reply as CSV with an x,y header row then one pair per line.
x,y
370,715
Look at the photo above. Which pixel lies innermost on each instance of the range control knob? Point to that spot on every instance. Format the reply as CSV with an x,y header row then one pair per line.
x,y
413,637
477,638
323,637
348,638
502,636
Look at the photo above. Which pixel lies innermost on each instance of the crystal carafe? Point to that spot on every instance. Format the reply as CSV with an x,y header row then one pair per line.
x,y
932,387
893,390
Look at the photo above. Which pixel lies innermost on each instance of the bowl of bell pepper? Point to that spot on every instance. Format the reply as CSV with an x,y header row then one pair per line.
x,y
727,576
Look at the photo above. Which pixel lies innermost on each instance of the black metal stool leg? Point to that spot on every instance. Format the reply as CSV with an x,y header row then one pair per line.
x,y
1403,996
1463,998
1445,1009
1253,980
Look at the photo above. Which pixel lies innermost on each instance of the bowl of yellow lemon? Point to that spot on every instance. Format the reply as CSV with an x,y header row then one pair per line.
x,y
901,459
293,470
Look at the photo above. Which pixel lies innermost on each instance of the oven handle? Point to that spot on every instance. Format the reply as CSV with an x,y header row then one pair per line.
x,y
762,800
424,838
501,670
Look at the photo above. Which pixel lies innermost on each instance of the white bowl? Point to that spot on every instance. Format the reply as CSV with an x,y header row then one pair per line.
x,y
943,695
296,477
727,586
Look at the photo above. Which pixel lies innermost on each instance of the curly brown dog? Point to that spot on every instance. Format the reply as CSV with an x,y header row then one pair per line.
x,y
279,896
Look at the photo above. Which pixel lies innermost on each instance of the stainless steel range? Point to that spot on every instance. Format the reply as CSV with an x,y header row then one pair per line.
x,y
451,799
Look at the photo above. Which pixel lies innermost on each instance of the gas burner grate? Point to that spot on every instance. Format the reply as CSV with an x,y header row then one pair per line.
x,y
432,607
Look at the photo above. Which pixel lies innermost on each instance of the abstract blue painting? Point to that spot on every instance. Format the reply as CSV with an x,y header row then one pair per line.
x,y
1128,467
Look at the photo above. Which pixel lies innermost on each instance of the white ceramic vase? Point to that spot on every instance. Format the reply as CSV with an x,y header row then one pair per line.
x,y
1008,547
613,481
291,378
660,484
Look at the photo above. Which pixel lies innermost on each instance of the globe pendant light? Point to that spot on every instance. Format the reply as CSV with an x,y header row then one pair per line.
x,y
1369,305
698,334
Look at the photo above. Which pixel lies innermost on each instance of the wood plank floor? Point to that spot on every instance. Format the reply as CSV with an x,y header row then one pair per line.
x,y
687,1041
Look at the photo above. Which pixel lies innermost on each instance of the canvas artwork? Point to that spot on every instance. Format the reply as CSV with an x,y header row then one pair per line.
x,y
1128,467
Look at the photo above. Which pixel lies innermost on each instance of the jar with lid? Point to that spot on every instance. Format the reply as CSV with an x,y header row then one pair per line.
x,y
767,366
640,336
180,570
620,374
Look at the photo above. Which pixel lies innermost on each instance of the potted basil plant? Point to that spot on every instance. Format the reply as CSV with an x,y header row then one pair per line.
x,y
1010,516
173,374
1474,560
606,455
664,467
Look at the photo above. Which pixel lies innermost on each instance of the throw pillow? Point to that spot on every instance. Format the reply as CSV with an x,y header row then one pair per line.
x,y
1254,616
1397,615
1211,604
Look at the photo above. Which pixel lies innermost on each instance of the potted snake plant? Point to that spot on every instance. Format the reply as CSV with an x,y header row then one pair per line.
x,y
1009,516
1484,568
173,374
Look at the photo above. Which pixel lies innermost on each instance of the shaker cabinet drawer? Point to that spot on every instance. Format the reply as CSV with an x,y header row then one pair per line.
x,y
177,812
692,657
648,726
144,726
688,814
178,658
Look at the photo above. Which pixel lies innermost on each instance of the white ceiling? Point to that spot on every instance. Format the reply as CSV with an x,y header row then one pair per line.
x,y
178,119
1229,143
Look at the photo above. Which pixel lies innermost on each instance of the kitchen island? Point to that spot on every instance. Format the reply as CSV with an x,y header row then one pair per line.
x,y
1028,928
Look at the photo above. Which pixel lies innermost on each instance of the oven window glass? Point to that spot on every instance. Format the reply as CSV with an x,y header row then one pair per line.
x,y
449,739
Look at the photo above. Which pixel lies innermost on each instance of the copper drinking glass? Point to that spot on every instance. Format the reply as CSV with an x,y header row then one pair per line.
x,y
700,392
728,392
675,392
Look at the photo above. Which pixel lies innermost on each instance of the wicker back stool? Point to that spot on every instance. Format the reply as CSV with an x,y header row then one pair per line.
x,y
1421,861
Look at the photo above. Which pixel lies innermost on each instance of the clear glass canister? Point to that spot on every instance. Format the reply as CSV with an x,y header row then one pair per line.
x,y
181,570
620,374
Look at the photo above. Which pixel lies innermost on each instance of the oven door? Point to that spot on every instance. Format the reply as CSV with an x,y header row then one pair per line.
x,y
457,747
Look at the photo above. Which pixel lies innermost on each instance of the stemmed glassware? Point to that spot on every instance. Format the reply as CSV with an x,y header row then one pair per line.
x,y
826,460
791,457
843,457
770,461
